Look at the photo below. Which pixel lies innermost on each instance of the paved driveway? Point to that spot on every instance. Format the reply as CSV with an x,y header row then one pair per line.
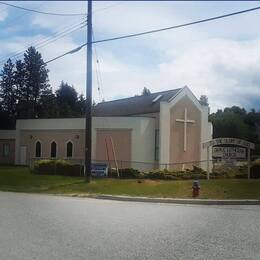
x,y
50,227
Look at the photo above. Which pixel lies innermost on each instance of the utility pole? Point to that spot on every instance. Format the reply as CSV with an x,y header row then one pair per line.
x,y
88,123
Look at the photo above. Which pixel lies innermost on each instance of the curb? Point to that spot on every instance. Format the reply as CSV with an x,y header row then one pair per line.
x,y
179,201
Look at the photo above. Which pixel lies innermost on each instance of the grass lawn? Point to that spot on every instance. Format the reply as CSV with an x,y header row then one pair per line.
x,y
20,179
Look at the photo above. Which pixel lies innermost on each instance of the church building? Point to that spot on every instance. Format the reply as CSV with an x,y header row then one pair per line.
x,y
158,130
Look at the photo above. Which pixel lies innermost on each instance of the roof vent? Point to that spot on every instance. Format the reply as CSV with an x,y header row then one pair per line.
x,y
157,98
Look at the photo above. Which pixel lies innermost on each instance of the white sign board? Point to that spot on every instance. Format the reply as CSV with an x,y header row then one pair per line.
x,y
229,152
232,141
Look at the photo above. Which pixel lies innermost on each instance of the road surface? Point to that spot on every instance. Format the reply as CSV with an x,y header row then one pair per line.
x,y
51,227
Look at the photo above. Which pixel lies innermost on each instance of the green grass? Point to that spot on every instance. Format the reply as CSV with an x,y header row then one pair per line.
x,y
20,179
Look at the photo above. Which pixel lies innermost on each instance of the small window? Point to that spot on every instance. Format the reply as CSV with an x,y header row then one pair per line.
x,y
69,149
53,150
38,149
6,150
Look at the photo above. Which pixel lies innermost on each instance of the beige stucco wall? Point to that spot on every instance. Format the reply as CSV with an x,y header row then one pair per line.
x,y
156,117
114,145
29,138
142,133
192,153
48,130
168,143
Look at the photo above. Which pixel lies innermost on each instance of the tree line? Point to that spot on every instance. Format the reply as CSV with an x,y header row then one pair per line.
x,y
25,92
236,122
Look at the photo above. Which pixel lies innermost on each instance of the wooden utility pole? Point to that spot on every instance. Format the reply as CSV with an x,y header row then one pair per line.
x,y
88,123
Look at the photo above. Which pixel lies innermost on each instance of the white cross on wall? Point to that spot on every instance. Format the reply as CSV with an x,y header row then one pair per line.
x,y
185,121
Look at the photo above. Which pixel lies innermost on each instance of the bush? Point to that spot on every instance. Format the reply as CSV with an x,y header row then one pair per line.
x,y
57,167
255,169
195,173
227,172
127,173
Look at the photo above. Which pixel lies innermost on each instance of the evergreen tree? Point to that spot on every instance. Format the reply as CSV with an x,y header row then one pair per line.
x,y
36,80
8,93
81,105
146,91
204,100
19,78
47,105
67,98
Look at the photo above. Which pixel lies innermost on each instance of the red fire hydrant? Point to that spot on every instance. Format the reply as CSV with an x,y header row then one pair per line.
x,y
195,188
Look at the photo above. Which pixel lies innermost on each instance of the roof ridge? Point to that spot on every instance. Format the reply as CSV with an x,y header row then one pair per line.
x,y
176,89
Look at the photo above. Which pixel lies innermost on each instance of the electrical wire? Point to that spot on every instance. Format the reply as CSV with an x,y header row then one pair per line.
x,y
59,14
156,31
98,72
48,41
107,7
10,22
41,40
41,12
35,43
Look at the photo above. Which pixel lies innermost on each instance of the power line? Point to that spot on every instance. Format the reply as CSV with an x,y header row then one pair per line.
x,y
61,14
107,7
98,72
66,53
10,22
178,26
41,40
41,12
21,52
157,30
47,41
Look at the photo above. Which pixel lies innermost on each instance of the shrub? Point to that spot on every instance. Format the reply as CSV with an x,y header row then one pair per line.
x,y
127,173
227,172
57,167
195,173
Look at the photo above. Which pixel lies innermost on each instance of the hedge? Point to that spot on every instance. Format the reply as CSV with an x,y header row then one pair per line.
x,y
127,173
57,167
188,174
62,167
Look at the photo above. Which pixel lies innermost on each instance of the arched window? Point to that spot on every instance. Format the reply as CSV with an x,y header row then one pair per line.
x,y
38,149
53,149
69,149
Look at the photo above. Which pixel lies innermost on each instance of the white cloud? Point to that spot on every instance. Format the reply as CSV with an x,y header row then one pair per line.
x,y
3,15
220,59
222,69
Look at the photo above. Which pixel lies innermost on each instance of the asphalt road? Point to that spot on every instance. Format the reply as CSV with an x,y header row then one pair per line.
x,y
50,227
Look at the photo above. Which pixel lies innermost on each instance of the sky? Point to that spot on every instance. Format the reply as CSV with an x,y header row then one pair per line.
x,y
220,59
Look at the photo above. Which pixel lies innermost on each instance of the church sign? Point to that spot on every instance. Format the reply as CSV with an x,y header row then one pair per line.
x,y
229,152
233,141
